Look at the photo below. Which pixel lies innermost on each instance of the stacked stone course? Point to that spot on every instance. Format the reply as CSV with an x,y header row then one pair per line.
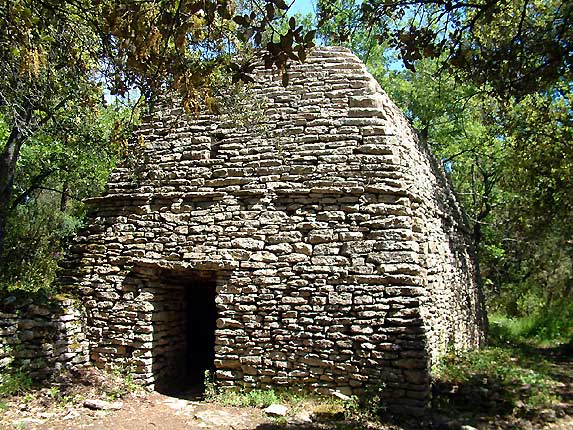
x,y
41,338
340,255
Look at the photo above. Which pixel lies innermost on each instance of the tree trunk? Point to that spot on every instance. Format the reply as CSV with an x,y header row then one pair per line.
x,y
8,160
65,197
35,183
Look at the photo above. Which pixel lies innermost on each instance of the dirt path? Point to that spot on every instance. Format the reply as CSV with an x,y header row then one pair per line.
x,y
143,410
154,411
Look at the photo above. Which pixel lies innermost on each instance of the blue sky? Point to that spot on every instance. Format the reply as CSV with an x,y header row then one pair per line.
x,y
301,6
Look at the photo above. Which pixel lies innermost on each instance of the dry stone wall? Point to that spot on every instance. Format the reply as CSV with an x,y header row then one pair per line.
x,y
41,338
451,305
339,255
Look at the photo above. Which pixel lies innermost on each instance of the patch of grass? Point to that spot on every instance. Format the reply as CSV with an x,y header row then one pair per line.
x,y
340,414
298,401
234,397
254,398
546,329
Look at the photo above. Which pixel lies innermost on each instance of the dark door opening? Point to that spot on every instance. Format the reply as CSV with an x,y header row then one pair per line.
x,y
200,330
192,350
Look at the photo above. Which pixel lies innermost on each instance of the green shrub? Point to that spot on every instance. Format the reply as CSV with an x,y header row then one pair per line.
x,y
543,326
37,235
512,374
13,383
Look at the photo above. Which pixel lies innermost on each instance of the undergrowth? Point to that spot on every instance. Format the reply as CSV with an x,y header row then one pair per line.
x,y
546,328
295,400
14,383
65,388
120,383
512,376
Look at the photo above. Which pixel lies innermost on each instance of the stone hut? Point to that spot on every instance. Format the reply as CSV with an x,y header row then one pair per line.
x,y
317,245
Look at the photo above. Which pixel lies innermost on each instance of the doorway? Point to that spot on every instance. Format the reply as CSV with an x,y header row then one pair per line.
x,y
185,326
201,324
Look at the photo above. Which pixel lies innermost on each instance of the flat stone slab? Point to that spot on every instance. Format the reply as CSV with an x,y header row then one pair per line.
x,y
276,410
102,405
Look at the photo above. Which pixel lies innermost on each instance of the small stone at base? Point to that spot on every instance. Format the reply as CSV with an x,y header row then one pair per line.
x,y
276,409
102,405
341,396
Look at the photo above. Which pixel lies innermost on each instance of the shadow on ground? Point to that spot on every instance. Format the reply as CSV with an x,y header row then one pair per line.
x,y
344,425
491,399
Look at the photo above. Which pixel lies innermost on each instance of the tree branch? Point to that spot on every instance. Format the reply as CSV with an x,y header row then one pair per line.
x,y
50,115
36,182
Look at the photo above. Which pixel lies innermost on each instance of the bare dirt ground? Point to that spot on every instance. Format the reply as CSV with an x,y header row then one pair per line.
x,y
145,410
96,400
153,411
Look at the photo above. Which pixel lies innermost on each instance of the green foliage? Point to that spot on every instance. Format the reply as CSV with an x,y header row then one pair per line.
x,y
254,398
55,171
537,215
75,155
516,48
340,23
37,233
511,375
14,382
145,45
540,326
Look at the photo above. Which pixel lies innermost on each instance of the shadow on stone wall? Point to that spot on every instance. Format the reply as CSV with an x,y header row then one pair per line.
x,y
456,228
41,335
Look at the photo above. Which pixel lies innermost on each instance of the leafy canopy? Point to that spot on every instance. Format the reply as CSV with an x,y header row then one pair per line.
x,y
58,57
61,45
516,47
